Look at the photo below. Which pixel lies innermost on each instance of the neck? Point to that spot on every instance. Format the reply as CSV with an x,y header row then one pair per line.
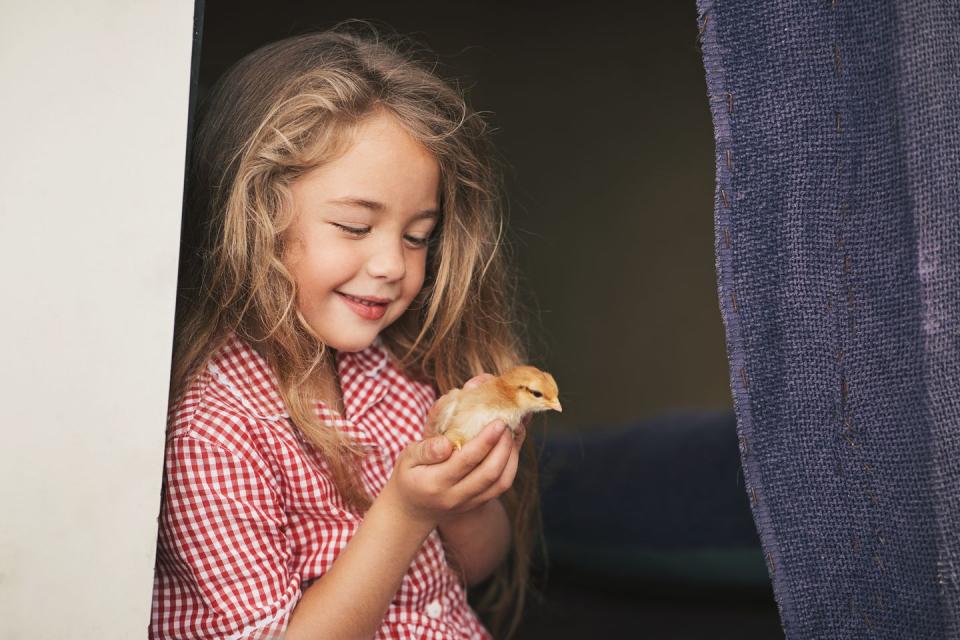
x,y
324,385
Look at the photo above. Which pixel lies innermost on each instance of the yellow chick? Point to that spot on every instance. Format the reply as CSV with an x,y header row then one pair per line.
x,y
463,413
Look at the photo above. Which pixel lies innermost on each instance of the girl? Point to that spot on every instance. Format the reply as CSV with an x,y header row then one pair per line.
x,y
351,269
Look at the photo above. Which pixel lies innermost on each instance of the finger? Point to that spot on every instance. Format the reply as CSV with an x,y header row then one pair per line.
x,y
520,435
475,380
433,450
503,483
490,470
473,452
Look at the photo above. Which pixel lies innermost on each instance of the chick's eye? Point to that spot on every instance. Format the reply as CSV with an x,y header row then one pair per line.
x,y
536,394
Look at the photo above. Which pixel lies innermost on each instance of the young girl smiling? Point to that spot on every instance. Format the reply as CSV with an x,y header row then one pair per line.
x,y
352,269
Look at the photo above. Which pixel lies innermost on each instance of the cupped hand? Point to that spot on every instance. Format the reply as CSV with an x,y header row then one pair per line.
x,y
430,482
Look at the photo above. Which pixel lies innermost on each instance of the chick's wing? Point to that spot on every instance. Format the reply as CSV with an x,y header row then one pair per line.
x,y
441,414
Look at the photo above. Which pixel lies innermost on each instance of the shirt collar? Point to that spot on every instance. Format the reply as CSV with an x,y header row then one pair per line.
x,y
250,379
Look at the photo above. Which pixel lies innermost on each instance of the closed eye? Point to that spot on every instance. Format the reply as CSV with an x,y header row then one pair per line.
x,y
359,232
418,242
355,231
536,394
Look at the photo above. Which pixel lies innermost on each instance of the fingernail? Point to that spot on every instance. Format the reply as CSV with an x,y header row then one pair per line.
x,y
499,428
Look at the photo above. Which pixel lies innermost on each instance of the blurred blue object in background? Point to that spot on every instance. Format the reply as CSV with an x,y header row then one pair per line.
x,y
658,501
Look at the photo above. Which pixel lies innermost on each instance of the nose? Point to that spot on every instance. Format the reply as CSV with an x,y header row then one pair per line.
x,y
387,260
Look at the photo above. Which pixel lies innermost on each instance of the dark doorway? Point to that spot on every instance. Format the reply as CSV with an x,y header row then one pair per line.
x,y
602,118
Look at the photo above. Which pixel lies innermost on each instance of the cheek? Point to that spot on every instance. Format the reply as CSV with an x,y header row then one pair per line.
x,y
333,256
416,269
318,271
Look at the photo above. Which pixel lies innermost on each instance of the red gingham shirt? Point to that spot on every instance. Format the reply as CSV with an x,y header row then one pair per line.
x,y
250,516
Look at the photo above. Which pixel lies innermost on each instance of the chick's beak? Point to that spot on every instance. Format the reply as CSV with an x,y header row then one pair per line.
x,y
556,406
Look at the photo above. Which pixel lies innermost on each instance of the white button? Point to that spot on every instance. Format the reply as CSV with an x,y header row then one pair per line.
x,y
434,609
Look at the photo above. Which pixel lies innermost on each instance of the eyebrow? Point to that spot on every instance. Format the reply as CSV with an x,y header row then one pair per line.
x,y
378,207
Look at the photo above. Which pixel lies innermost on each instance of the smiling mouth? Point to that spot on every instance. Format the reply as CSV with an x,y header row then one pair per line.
x,y
375,302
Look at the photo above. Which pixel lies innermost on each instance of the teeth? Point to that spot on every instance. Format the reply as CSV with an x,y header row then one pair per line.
x,y
364,302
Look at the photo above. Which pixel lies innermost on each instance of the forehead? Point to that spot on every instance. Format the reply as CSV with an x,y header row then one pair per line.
x,y
383,165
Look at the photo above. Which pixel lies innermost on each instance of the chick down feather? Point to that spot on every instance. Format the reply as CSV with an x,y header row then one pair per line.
x,y
461,414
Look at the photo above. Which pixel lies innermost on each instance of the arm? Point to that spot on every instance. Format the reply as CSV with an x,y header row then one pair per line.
x,y
221,551
427,486
351,599
478,539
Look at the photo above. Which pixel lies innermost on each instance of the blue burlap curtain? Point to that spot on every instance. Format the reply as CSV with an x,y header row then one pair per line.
x,y
837,218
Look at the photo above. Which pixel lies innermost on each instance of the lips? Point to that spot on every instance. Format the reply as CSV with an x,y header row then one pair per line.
x,y
368,308
367,299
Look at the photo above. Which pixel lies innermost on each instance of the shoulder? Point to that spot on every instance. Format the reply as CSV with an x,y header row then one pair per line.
x,y
232,403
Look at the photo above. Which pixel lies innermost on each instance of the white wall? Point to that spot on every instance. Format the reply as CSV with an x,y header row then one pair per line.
x,y
93,114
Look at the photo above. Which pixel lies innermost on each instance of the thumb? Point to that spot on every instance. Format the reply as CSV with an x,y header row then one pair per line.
x,y
434,450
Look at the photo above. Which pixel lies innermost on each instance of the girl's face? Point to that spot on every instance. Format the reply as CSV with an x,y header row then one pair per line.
x,y
359,232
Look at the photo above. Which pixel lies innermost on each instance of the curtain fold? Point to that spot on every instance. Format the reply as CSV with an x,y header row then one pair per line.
x,y
837,216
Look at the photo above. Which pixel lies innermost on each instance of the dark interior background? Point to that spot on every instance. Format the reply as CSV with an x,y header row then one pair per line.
x,y
602,117
603,121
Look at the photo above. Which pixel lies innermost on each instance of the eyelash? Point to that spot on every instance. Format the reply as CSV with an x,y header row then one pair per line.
x,y
418,242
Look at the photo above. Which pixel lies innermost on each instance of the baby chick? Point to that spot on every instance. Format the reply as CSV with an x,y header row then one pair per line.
x,y
463,413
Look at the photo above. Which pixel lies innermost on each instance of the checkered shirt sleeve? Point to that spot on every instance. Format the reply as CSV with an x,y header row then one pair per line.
x,y
223,542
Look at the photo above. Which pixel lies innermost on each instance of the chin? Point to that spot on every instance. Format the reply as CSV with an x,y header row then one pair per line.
x,y
351,344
